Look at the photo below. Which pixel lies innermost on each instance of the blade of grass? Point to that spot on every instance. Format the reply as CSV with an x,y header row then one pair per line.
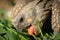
x,y
40,29
48,35
34,37
15,33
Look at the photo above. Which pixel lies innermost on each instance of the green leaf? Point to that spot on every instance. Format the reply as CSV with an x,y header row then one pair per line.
x,y
2,11
38,38
1,38
1,25
45,38
11,36
57,36
2,30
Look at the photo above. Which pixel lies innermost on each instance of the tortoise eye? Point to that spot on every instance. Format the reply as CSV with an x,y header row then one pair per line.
x,y
21,19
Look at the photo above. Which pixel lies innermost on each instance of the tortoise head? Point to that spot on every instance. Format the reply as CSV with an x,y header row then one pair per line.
x,y
24,18
29,15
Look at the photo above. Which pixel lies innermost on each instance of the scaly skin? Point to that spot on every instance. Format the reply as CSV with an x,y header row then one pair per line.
x,y
19,5
56,16
37,10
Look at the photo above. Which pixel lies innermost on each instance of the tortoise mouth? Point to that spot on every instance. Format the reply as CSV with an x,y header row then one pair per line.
x,y
29,25
30,29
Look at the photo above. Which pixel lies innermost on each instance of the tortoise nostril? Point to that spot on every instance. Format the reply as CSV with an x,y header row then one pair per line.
x,y
21,19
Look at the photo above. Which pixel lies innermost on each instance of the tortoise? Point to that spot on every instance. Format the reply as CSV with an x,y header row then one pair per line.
x,y
27,13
